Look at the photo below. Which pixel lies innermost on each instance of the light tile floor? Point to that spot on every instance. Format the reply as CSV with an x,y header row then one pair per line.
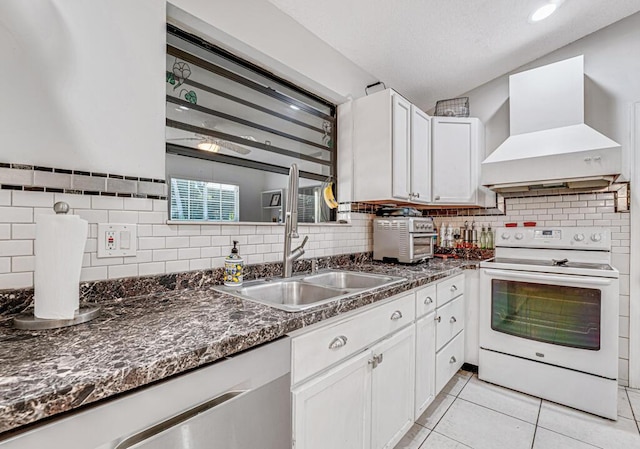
x,y
470,413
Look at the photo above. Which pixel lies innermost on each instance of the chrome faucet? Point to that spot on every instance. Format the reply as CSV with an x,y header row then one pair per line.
x,y
291,224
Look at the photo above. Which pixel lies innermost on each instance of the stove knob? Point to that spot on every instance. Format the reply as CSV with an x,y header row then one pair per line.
x,y
519,236
578,237
596,237
505,236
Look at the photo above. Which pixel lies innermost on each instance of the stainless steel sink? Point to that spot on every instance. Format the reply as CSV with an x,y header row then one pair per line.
x,y
348,280
289,294
301,292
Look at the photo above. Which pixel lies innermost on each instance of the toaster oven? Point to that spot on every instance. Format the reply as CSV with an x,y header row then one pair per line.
x,y
403,239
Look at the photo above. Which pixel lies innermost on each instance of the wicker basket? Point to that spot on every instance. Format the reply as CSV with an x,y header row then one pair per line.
x,y
454,107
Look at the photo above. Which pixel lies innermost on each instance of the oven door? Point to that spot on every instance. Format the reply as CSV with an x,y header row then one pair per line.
x,y
421,246
567,321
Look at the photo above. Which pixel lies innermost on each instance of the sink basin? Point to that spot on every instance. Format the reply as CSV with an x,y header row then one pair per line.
x,y
289,294
301,292
348,280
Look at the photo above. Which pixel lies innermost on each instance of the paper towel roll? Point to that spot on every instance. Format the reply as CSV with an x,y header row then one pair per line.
x,y
59,247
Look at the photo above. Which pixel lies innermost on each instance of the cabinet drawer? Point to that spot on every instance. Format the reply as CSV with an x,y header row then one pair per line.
x,y
449,360
449,289
319,349
425,300
449,321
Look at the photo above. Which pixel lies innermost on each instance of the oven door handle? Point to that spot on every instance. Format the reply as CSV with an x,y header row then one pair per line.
x,y
584,280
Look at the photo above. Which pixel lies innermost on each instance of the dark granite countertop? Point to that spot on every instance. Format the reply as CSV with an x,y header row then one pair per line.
x,y
144,339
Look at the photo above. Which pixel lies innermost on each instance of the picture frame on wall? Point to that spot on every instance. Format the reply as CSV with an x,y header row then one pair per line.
x,y
276,199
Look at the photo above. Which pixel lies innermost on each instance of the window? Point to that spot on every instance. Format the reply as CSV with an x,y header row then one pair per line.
x,y
228,111
205,201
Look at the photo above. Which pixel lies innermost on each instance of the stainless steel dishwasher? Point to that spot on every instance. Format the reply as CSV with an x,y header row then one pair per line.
x,y
242,402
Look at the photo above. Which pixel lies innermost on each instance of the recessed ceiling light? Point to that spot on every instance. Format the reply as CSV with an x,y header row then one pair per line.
x,y
543,12
293,106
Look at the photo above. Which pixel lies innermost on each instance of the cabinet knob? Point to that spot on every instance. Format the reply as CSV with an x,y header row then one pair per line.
x,y
437,197
452,360
453,288
417,195
452,319
379,359
438,319
338,342
428,301
396,315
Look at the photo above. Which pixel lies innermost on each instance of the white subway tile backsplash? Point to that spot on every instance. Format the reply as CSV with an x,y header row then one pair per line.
x,y
31,199
200,264
152,217
104,261
145,230
93,216
16,247
124,217
55,180
177,242
188,253
199,241
177,266
212,251
151,242
149,269
160,205
161,255
123,271
5,264
16,215
139,204
89,183
107,202
89,274
189,230
164,230
623,330
152,188
16,280
5,197
5,231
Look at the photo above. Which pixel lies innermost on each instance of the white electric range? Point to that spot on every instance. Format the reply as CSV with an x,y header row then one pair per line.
x,y
549,305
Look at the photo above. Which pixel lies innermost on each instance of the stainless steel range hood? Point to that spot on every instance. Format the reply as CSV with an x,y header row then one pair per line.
x,y
550,146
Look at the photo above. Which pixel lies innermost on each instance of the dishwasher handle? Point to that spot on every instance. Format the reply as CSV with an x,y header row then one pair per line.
x,y
178,419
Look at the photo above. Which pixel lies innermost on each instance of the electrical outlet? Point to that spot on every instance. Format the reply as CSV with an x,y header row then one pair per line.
x,y
110,242
117,240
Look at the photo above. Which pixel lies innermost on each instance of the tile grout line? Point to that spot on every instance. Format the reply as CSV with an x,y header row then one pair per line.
x,y
498,411
535,429
633,413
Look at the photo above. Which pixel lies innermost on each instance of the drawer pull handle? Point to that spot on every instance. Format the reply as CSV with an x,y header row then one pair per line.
x,y
379,357
396,315
452,360
438,319
453,288
453,319
338,342
428,301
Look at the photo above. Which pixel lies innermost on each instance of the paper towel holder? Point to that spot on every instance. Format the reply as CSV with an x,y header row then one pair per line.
x,y
28,321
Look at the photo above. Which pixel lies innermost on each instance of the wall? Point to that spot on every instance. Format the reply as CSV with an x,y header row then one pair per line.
x,y
162,248
82,81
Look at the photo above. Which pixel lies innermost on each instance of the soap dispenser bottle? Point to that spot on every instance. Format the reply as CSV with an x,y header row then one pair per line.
x,y
233,267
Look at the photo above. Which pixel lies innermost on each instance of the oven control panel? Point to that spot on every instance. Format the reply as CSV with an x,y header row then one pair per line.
x,y
585,238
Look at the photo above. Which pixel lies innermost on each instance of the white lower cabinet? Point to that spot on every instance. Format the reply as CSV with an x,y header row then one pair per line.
x,y
362,381
425,363
392,391
333,409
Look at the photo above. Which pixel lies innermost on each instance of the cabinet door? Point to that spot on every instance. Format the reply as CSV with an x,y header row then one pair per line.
x,y
401,131
425,363
454,164
393,389
334,410
420,156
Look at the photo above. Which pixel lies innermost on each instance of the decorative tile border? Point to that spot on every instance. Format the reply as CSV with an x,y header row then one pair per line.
x,y
35,178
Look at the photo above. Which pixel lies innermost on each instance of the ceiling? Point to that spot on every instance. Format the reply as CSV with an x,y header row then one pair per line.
x,y
435,49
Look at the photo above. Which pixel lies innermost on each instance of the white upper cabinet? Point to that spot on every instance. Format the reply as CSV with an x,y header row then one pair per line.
x,y
390,150
457,150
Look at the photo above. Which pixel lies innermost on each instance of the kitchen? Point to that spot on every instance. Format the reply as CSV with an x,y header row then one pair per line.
x,y
125,136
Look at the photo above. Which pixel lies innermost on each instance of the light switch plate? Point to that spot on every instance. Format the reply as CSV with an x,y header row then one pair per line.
x,y
117,240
